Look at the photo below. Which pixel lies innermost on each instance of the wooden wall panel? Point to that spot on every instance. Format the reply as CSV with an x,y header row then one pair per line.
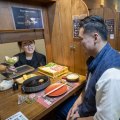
x,y
97,3
97,11
60,21
66,31
79,8
55,33
6,21
92,3
47,36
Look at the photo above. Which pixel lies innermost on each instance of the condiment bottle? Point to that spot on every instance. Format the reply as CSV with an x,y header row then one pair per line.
x,y
15,86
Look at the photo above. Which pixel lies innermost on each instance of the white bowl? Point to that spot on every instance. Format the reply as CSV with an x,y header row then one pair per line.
x,y
6,84
72,77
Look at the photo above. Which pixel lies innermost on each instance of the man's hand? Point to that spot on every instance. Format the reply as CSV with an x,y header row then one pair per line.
x,y
73,113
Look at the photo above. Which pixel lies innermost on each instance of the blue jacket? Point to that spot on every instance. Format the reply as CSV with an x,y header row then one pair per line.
x,y
107,58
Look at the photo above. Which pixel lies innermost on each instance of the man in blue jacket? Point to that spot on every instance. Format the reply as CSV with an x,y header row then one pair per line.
x,y
101,98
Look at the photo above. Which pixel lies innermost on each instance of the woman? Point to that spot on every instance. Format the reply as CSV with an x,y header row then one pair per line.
x,y
29,56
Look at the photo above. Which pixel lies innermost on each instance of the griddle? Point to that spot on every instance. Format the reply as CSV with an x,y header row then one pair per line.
x,y
33,84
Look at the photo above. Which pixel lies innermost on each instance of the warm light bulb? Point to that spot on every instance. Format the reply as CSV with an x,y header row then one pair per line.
x,y
102,2
116,6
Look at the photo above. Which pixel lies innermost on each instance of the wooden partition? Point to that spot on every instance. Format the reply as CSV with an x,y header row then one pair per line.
x,y
61,33
60,21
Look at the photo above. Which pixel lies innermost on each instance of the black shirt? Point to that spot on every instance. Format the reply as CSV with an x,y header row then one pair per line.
x,y
36,61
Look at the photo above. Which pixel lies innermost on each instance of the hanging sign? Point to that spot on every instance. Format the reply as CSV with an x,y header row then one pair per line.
x,y
26,18
110,27
76,24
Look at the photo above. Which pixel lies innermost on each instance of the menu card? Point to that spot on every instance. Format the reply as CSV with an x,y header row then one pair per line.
x,y
17,116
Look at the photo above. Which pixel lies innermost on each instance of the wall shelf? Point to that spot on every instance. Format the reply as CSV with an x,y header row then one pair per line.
x,y
43,2
7,36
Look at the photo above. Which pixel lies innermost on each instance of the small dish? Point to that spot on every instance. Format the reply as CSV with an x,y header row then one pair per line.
x,y
72,77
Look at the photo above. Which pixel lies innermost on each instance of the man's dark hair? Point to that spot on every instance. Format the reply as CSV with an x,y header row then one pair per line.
x,y
95,24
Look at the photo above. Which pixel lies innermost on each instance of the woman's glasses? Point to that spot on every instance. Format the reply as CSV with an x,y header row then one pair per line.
x,y
27,44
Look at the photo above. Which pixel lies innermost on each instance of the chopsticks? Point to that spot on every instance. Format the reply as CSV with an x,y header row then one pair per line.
x,y
54,89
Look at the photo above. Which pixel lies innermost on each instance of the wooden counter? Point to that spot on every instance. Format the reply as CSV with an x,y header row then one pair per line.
x,y
34,111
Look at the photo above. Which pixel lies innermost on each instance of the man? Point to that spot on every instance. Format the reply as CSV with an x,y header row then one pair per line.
x,y
101,99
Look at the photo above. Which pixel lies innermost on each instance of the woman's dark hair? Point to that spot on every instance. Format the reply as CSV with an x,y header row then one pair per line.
x,y
95,24
20,43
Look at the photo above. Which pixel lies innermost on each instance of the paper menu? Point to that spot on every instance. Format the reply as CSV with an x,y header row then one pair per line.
x,y
18,116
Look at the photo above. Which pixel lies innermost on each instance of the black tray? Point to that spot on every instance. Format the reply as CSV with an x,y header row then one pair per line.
x,y
20,71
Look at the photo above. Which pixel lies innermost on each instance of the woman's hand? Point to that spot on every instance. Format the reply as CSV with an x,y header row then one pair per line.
x,y
11,69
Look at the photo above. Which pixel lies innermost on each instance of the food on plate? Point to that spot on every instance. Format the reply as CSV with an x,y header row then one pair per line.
x,y
41,80
20,80
25,77
31,75
53,70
